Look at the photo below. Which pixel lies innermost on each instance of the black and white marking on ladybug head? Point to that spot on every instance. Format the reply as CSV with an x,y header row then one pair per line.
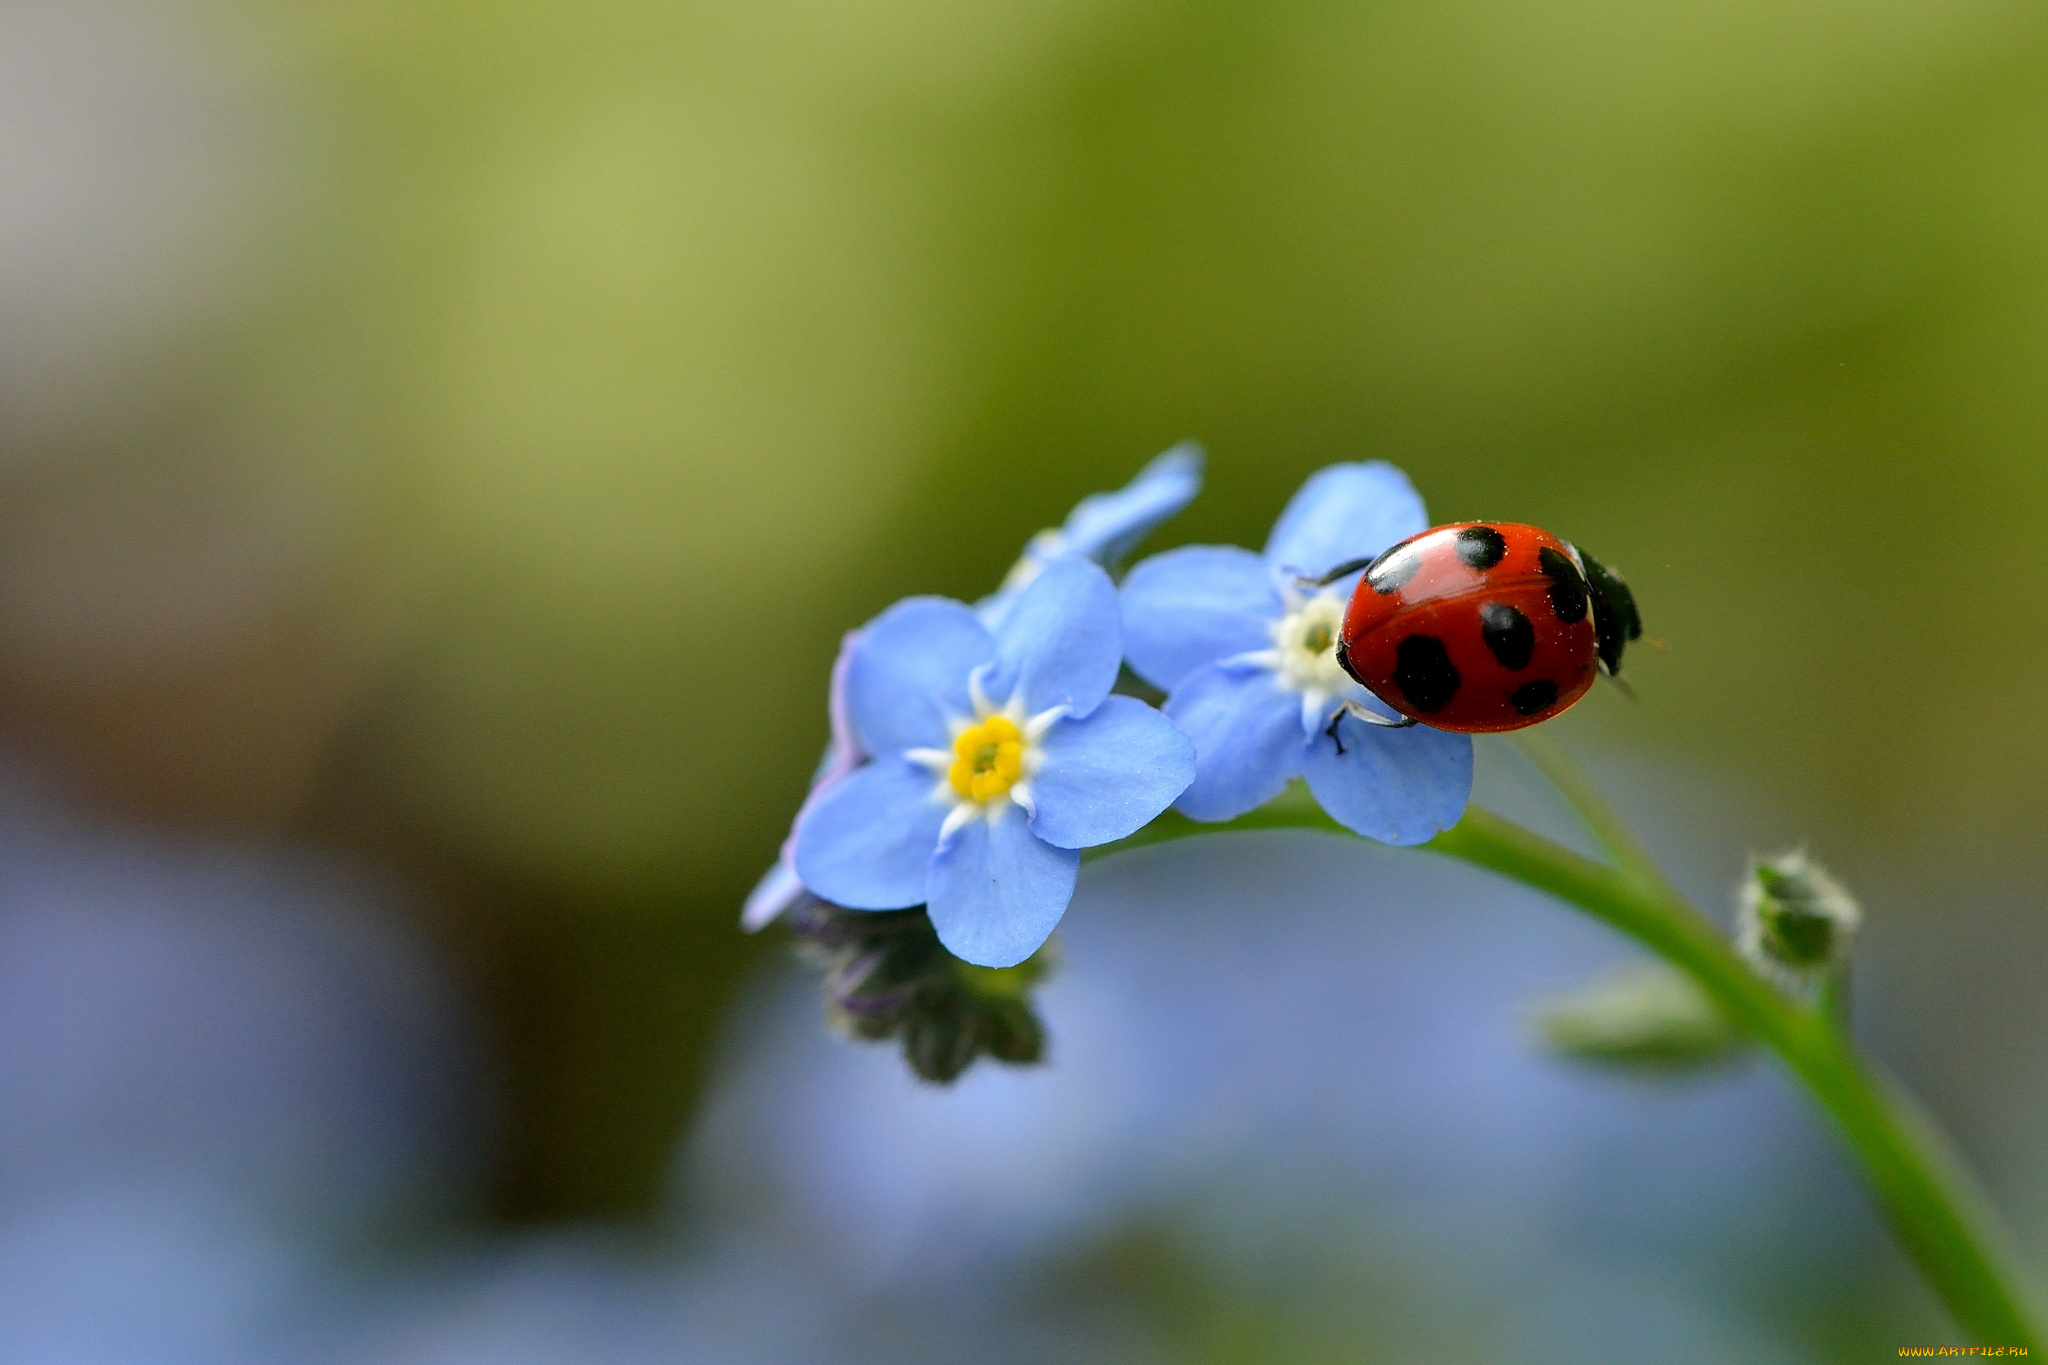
x,y
1615,618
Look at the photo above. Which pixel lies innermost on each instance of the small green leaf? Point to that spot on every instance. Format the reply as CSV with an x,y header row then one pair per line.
x,y
1651,1017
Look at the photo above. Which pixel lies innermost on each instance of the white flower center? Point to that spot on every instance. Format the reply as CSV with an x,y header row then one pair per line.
x,y
1305,640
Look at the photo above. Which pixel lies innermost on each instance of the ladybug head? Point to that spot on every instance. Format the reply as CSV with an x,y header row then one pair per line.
x,y
1615,618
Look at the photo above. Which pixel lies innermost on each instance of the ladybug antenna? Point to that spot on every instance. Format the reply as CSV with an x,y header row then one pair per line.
x,y
1324,580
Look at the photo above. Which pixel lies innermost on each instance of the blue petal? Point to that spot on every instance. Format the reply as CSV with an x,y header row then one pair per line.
x,y
867,844
1193,606
1246,728
1062,641
998,890
1397,786
771,896
994,609
908,674
1348,511
1104,527
845,751
1108,775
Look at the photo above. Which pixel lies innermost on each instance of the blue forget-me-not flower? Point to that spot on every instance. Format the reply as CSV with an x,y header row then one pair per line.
x,y
1247,655
997,756
1102,528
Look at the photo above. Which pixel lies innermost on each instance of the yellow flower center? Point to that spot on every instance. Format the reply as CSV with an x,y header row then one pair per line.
x,y
987,759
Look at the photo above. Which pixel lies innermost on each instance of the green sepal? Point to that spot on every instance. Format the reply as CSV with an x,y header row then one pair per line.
x,y
886,975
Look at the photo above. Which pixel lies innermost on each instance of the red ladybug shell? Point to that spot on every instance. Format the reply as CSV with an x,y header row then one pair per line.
x,y
1476,627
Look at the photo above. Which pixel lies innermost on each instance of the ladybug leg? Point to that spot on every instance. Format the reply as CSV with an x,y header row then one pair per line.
x,y
1366,714
1372,717
1369,716
1349,566
1621,684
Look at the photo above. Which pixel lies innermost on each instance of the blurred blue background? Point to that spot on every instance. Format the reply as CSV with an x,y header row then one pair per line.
x,y
441,445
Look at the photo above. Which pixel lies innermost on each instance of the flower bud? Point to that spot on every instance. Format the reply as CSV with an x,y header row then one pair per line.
x,y
886,975
1650,1017
1794,917
941,1039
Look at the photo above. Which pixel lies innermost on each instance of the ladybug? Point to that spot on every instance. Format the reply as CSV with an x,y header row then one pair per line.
x,y
1482,627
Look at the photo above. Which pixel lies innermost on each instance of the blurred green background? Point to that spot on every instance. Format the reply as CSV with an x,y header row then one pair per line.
x,y
462,431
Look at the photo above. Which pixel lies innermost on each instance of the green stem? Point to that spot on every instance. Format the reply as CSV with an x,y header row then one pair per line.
x,y
1607,826
1926,1194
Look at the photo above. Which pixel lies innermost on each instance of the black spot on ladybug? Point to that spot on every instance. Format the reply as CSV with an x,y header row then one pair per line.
x,y
1532,697
1393,568
1481,547
1508,634
1424,672
1567,588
